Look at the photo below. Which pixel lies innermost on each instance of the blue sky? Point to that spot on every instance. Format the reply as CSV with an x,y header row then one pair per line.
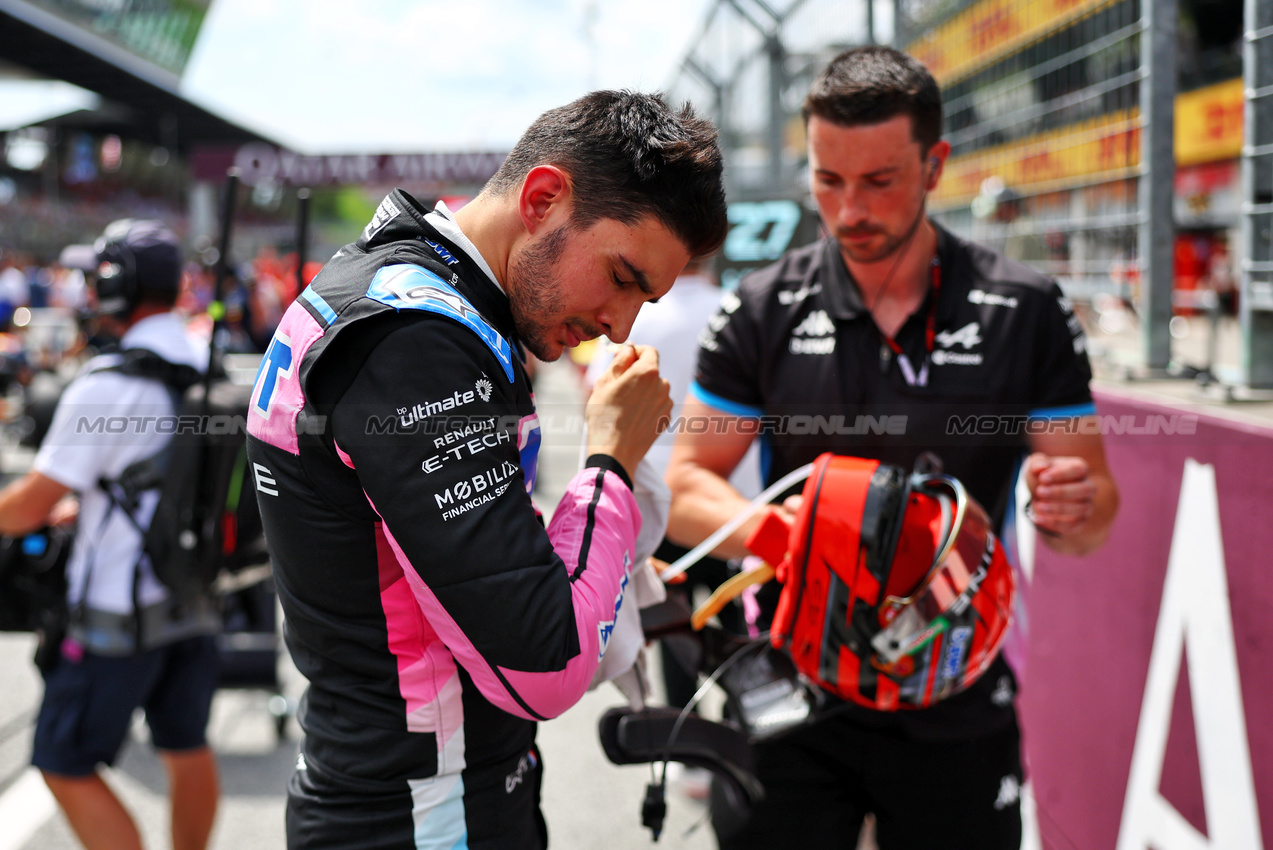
x,y
422,75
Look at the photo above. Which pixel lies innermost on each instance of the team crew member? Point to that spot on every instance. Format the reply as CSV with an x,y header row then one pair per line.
x,y
130,644
394,438
888,339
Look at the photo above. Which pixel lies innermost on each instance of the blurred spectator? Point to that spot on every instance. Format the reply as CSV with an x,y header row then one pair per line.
x,y
67,288
15,290
1221,280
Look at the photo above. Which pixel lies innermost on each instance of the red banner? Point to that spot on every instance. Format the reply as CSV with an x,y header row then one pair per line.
x,y
262,163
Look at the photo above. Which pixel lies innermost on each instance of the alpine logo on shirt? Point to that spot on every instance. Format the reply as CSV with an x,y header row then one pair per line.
x,y
967,337
814,335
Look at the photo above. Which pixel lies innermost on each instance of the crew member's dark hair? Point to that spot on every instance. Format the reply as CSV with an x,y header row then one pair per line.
x,y
629,155
869,85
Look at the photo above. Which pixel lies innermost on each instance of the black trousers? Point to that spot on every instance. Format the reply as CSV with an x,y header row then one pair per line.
x,y
496,808
822,780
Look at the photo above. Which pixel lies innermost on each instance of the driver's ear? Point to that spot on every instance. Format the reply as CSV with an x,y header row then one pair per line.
x,y
545,194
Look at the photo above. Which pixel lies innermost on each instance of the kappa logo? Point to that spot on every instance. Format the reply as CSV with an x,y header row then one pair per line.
x,y
821,332
817,323
484,389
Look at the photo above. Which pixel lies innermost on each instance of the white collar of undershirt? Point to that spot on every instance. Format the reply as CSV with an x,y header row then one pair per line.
x,y
444,221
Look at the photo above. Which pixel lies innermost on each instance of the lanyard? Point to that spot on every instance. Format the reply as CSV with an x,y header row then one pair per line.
x,y
891,348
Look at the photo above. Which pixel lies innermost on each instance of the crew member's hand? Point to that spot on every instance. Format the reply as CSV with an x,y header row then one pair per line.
x,y
629,407
1061,492
790,507
660,565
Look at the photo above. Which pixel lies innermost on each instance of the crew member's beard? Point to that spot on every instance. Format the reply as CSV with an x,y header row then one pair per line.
x,y
534,291
859,254
890,245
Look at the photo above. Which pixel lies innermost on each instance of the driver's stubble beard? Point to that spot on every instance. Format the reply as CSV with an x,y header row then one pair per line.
x,y
534,290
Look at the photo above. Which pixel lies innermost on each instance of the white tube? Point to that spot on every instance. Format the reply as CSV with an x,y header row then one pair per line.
x,y
696,554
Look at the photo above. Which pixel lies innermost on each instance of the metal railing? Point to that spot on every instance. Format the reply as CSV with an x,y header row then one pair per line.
x,y
1255,304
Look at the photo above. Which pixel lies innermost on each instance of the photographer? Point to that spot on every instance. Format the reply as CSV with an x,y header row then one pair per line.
x,y
129,644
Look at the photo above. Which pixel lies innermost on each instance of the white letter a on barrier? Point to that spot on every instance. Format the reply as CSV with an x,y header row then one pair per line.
x,y
1194,619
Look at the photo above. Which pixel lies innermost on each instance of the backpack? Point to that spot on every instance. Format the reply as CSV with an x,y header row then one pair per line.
x,y
207,521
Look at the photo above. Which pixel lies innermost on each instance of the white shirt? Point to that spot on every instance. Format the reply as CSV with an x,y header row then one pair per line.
x,y
671,326
104,422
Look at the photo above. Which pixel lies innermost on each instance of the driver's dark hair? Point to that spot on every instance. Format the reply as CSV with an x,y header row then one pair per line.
x,y
629,155
869,85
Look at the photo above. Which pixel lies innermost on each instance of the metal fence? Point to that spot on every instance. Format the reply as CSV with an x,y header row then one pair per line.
x,y
1043,116
1256,296
1061,115
750,67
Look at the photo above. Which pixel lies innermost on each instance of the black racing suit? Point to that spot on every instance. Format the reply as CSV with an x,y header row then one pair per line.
x,y
394,438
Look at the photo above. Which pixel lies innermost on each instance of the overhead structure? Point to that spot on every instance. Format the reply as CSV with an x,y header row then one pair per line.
x,y
750,66
131,53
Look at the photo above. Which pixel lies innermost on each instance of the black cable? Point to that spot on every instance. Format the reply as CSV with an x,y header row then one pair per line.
x,y
654,806
693,701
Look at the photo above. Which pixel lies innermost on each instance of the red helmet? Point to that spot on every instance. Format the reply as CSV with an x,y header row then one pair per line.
x,y
895,592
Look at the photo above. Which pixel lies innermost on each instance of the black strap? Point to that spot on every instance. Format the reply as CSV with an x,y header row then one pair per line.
x,y
144,363
125,491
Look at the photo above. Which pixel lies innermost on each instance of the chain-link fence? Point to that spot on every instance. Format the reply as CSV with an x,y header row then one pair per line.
x,y
1043,116
1060,116
1042,111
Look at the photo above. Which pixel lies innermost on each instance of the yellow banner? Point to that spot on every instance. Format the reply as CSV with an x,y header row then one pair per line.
x,y
1208,129
1104,148
984,33
1209,123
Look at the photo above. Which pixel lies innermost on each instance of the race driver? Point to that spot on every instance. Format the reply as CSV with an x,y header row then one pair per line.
x,y
393,438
